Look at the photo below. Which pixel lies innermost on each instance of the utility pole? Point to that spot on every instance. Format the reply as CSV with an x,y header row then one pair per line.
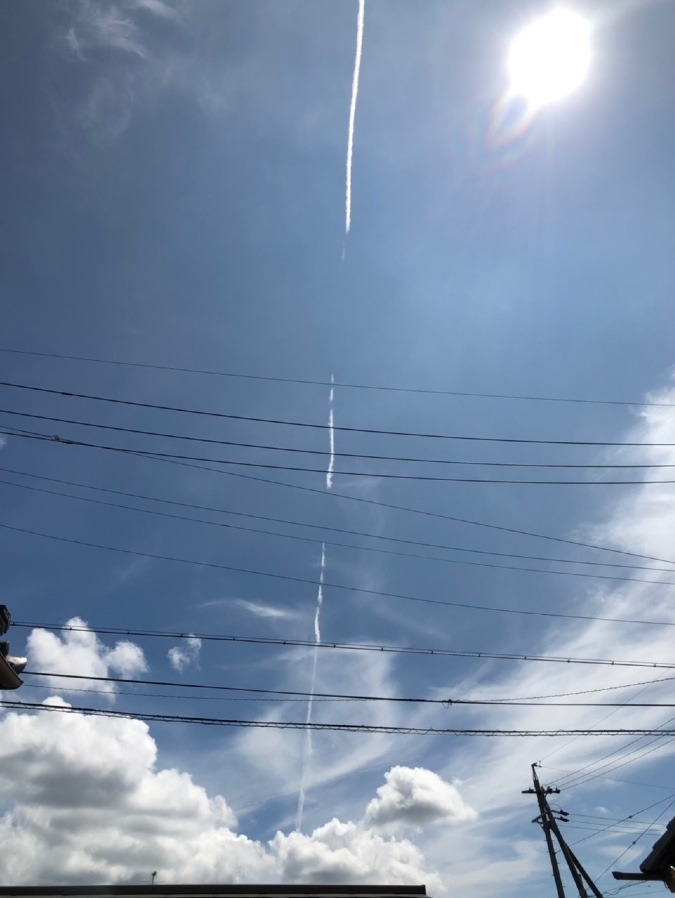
x,y
543,820
549,823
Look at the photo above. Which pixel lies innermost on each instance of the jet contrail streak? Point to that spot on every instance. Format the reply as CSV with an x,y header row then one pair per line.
x,y
308,733
331,438
352,114
307,752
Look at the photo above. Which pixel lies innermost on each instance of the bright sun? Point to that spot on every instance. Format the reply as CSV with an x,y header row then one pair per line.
x,y
550,57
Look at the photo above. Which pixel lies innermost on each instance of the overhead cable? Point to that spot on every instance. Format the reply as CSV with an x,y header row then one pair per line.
x,y
340,646
312,725
406,509
627,818
337,383
636,840
125,450
448,703
360,548
328,453
134,403
597,769
495,609
323,527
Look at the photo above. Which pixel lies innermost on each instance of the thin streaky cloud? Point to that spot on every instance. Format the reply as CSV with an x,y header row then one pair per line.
x,y
157,8
105,27
331,438
352,113
259,609
307,752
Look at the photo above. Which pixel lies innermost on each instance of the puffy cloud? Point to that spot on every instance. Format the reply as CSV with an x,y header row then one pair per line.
x,y
81,652
89,804
350,853
186,655
413,796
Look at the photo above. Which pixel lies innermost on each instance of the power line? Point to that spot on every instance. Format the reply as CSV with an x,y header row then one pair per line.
x,y
445,702
328,585
606,819
305,470
312,725
597,689
409,509
326,453
615,779
163,695
331,383
625,819
630,758
134,403
578,776
259,531
628,701
350,532
598,766
334,494
248,689
341,646
637,839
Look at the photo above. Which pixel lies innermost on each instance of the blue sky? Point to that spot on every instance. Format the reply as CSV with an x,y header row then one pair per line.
x,y
174,197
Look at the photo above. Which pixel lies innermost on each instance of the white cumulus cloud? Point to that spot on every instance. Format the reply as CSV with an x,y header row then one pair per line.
x,y
340,852
186,655
88,802
80,651
414,796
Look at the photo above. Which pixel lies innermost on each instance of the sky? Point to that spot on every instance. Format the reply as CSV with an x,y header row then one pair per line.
x,y
173,237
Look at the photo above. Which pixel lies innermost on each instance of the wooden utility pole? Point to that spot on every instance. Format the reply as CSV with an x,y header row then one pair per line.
x,y
549,823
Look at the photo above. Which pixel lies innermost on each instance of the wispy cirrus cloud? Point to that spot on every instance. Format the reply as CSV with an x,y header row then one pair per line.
x,y
120,59
157,8
265,610
98,27
497,845
642,521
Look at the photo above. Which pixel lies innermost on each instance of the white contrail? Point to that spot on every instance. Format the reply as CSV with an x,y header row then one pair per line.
x,y
308,733
307,752
352,113
331,437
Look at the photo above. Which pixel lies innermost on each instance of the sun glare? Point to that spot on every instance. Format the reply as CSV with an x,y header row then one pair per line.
x,y
550,57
